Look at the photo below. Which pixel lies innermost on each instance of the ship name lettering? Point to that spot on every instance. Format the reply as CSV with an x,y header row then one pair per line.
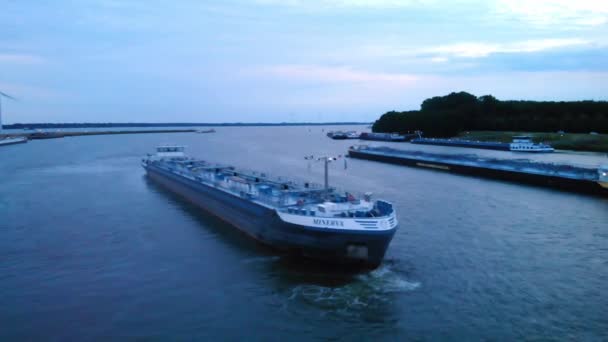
x,y
328,222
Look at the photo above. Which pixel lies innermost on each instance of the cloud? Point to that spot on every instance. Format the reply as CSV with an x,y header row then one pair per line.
x,y
439,59
11,58
554,12
342,4
479,50
323,74
472,50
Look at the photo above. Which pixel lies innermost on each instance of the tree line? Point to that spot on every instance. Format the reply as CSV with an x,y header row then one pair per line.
x,y
446,116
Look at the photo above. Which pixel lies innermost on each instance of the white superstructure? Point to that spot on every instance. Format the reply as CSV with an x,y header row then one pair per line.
x,y
170,151
524,143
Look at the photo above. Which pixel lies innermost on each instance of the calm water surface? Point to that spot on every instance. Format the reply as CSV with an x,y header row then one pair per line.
x,y
90,249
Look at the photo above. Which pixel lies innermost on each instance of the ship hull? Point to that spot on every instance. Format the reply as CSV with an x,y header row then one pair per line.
x,y
484,146
264,225
561,183
375,138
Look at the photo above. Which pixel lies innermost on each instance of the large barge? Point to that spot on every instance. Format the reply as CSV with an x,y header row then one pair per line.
x,y
561,176
301,219
520,143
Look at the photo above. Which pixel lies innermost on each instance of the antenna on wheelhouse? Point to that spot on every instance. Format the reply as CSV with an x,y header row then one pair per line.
x,y
2,94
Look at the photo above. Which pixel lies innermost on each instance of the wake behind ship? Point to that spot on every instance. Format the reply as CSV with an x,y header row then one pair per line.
x,y
301,219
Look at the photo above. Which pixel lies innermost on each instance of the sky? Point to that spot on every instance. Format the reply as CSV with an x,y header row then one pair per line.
x,y
290,60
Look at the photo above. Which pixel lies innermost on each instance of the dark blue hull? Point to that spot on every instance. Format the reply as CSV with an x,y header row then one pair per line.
x,y
263,224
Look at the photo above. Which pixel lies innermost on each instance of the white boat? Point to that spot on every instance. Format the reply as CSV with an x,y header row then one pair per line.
x,y
205,130
524,143
353,135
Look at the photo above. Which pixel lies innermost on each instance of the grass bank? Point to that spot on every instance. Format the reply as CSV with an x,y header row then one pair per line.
x,y
565,141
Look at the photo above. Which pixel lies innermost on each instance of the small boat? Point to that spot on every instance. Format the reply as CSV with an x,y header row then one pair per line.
x,y
339,135
205,131
353,135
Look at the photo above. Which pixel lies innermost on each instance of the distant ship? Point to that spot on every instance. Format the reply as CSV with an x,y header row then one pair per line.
x,y
339,135
520,143
395,137
561,176
306,220
205,130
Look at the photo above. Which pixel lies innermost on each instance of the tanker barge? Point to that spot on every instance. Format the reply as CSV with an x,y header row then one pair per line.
x,y
306,220
560,176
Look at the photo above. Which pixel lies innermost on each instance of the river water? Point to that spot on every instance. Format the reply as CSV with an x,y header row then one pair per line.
x,y
91,249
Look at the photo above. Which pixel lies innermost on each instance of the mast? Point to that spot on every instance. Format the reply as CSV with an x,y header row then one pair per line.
x,y
8,97
326,161
326,174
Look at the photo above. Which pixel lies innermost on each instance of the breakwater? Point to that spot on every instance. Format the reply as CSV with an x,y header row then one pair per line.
x,y
54,135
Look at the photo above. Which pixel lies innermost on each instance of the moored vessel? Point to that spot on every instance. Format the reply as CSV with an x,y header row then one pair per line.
x,y
302,219
340,135
592,180
212,130
524,143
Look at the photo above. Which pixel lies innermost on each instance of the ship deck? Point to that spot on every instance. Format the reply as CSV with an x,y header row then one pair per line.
x,y
285,195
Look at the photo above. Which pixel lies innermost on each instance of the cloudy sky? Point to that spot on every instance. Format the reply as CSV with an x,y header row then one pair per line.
x,y
290,60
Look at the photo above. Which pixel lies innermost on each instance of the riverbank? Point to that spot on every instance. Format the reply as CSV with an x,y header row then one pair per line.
x,y
560,141
53,135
